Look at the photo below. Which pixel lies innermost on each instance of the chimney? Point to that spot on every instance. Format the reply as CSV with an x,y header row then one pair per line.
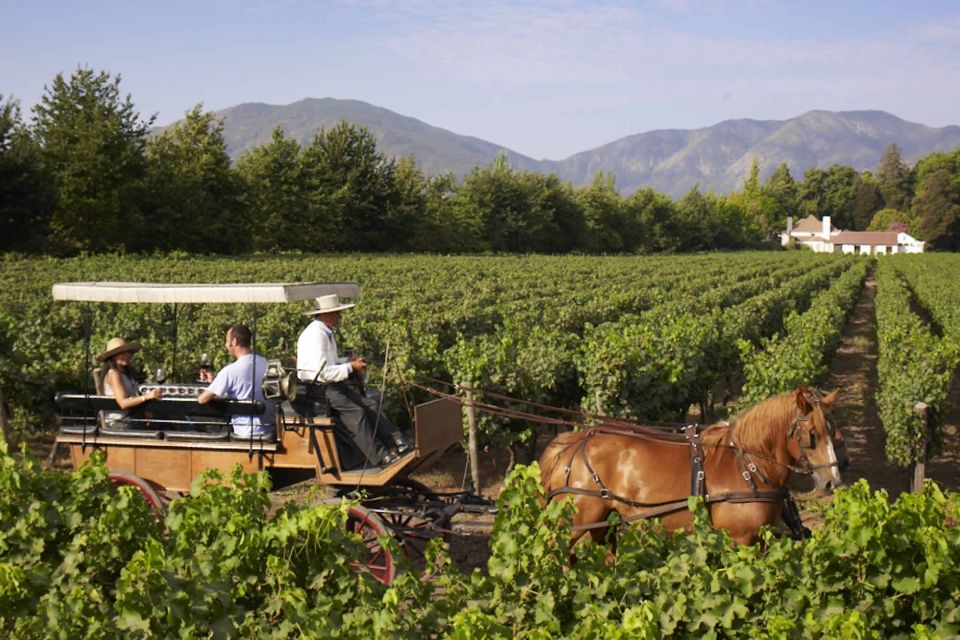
x,y
826,227
789,224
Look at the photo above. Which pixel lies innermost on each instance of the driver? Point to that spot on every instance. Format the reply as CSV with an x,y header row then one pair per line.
x,y
319,366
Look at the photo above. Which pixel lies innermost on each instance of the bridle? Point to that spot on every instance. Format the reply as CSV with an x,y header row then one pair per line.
x,y
806,439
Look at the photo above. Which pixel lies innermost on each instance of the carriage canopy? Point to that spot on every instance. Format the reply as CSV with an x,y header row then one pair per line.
x,y
244,293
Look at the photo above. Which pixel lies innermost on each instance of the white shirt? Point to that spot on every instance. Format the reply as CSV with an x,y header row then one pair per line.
x,y
317,351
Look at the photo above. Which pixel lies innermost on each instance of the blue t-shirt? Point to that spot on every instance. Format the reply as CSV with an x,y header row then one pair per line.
x,y
237,381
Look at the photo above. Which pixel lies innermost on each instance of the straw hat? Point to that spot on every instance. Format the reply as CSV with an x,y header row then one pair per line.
x,y
118,345
327,304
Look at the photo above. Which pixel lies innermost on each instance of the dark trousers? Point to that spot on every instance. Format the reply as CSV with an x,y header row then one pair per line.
x,y
371,433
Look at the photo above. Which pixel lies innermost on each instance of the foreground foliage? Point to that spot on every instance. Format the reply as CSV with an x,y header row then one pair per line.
x,y
80,559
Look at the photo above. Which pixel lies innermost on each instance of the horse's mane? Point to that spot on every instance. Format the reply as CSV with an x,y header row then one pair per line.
x,y
753,427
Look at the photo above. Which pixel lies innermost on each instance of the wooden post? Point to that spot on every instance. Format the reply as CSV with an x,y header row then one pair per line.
x,y
472,449
919,470
7,435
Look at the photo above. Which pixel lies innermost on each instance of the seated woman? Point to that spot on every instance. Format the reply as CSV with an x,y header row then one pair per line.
x,y
117,382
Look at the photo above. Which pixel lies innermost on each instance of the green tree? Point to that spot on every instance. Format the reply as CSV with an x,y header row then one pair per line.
x,y
949,160
698,226
506,204
783,188
655,217
274,196
350,186
830,192
759,205
93,145
602,209
893,177
866,202
937,206
26,194
893,220
556,203
193,189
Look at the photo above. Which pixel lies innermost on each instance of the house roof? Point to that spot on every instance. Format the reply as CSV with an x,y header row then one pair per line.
x,y
811,224
888,238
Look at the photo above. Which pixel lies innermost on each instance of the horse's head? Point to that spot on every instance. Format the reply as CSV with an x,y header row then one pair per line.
x,y
815,439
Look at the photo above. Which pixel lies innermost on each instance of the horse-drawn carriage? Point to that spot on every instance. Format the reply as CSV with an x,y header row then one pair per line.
x,y
740,468
184,438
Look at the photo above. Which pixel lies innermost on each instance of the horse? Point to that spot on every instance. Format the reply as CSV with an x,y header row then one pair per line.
x,y
740,467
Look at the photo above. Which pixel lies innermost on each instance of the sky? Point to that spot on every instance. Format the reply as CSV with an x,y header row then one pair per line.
x,y
546,79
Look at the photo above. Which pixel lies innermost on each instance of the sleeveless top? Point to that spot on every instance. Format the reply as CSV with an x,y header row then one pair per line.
x,y
114,419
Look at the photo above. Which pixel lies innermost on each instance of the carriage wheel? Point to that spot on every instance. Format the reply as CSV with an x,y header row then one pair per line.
x,y
407,519
369,526
146,489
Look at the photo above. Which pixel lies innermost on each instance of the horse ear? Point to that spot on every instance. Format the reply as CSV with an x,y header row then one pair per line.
x,y
831,398
801,398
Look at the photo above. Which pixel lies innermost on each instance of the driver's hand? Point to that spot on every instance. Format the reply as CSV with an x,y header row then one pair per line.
x,y
358,364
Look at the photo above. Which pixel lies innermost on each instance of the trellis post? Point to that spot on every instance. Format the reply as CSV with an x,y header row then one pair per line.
x,y
919,469
472,449
4,424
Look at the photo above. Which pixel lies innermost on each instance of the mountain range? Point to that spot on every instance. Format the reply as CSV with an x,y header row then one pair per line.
x,y
671,161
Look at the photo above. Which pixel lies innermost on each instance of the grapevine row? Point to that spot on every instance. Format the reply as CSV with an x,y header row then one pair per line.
x,y
802,352
79,559
914,365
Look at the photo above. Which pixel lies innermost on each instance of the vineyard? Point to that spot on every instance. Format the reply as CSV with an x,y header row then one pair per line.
x,y
633,337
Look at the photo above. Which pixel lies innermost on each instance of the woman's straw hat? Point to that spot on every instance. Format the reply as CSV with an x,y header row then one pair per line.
x,y
118,345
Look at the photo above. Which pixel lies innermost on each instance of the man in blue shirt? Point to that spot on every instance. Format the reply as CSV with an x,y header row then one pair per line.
x,y
241,380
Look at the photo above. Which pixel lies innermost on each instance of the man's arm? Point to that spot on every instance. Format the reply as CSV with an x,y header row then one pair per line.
x,y
216,389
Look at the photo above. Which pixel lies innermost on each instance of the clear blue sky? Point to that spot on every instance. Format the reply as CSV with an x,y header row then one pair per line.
x,y
546,79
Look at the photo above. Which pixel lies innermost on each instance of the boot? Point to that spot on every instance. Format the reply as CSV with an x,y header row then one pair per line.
x,y
402,443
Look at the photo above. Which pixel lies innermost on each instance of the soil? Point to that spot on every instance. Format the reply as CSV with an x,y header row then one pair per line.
x,y
852,371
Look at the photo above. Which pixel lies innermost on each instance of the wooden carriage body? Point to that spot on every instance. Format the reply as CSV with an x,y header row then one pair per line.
x,y
303,444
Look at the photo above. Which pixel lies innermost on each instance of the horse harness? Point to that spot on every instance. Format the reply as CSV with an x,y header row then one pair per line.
x,y
691,434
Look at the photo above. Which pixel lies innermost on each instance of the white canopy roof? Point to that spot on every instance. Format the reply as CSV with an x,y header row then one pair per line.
x,y
141,292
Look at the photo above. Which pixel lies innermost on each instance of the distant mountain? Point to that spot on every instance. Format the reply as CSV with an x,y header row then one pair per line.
x,y
719,157
671,161
436,150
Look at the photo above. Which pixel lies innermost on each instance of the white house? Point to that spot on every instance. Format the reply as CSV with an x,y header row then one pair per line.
x,y
877,242
811,233
823,237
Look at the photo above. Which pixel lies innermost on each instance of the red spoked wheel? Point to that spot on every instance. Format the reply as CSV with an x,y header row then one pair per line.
x,y
145,487
369,526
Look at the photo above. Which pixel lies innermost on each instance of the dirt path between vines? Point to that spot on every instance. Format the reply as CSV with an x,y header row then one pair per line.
x,y
854,371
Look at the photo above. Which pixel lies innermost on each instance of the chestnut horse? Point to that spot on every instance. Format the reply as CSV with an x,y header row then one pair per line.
x,y
741,467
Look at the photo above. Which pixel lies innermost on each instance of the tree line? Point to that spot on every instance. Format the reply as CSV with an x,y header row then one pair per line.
x,y
85,174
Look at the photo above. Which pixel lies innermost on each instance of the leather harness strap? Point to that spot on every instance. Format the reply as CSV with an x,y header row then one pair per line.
x,y
697,480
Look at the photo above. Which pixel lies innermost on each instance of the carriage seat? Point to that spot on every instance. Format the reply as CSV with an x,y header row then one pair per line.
x,y
261,439
309,403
